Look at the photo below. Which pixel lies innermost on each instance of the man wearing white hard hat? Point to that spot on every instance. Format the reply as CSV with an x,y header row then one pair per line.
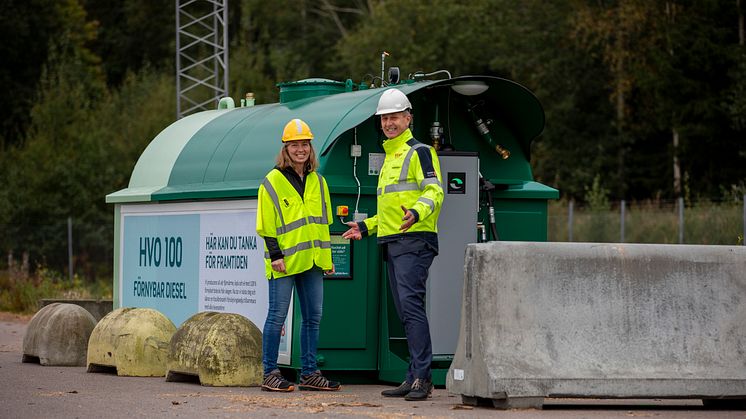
x,y
409,200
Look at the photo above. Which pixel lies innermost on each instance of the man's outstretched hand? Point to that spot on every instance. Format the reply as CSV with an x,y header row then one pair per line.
x,y
353,233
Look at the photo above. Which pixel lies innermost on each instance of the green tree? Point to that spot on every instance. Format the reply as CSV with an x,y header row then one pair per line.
x,y
38,184
132,34
72,160
529,42
289,41
669,63
27,27
570,80
82,142
424,36
622,30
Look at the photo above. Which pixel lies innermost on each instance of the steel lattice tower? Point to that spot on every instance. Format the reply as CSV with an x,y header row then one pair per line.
x,y
201,54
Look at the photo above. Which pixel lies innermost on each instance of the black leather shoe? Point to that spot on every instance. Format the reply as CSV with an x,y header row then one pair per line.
x,y
400,391
421,390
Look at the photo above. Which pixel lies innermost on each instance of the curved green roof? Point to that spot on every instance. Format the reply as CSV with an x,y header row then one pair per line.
x,y
227,153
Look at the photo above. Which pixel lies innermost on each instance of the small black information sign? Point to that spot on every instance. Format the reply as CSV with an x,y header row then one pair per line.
x,y
341,257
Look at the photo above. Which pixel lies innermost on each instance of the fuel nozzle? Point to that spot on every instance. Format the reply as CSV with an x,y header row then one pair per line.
x,y
484,130
503,152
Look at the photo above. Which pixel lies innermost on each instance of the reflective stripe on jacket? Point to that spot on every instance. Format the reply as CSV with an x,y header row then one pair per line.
x,y
300,225
410,176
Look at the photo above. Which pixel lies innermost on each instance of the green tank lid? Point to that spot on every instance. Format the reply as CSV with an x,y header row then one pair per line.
x,y
302,89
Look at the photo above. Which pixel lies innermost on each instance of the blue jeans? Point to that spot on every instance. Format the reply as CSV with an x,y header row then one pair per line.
x,y
408,263
310,287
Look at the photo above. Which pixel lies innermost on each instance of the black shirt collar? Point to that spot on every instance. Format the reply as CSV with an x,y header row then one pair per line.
x,y
295,180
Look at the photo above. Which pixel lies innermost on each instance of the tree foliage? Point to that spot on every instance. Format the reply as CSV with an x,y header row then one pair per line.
x,y
28,30
630,88
132,34
669,64
81,144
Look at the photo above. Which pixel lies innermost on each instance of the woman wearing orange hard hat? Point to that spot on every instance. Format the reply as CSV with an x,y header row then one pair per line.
x,y
293,217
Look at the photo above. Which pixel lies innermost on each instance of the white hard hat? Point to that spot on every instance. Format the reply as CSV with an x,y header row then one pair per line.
x,y
391,101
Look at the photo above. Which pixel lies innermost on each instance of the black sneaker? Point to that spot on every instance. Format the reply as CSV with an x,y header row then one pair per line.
x,y
317,382
276,382
400,391
421,390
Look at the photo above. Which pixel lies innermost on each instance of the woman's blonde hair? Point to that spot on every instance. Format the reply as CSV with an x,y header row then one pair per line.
x,y
283,160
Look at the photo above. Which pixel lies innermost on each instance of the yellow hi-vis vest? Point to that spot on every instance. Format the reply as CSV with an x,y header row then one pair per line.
x,y
301,225
406,180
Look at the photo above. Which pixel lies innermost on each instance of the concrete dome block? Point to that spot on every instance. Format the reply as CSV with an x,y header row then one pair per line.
x,y
58,335
132,340
222,349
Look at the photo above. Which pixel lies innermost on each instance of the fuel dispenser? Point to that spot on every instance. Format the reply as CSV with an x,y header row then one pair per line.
x,y
192,199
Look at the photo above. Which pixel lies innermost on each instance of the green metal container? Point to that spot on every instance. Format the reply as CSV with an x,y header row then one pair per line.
x,y
223,155
303,89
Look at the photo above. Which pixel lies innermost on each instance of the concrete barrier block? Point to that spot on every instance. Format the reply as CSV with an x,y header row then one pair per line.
x,y
222,349
134,341
97,308
601,320
58,335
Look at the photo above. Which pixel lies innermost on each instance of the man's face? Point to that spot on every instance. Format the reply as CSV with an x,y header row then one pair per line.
x,y
394,124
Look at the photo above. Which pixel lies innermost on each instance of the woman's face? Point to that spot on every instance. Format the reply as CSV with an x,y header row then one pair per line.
x,y
299,151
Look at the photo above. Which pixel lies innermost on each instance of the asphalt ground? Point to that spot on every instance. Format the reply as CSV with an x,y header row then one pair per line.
x,y
34,391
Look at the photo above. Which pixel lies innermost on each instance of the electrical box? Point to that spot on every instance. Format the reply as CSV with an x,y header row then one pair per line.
x,y
356,150
457,227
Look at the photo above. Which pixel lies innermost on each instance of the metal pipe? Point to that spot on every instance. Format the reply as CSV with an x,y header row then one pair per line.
x,y
225,48
439,71
493,225
70,246
178,62
216,50
383,65
681,220
569,219
621,223
482,231
354,174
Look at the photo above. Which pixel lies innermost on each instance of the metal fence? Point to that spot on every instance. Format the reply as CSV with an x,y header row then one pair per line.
x,y
67,246
703,222
72,247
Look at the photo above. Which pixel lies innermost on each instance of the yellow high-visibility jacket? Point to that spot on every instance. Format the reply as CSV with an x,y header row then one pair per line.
x,y
300,225
410,176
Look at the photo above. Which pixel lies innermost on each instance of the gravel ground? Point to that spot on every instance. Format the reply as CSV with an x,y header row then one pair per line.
x,y
35,391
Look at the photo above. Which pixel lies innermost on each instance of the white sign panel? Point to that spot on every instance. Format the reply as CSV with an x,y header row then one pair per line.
x,y
231,270
184,258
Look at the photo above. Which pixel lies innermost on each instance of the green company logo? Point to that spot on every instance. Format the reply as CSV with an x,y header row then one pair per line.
x,y
456,183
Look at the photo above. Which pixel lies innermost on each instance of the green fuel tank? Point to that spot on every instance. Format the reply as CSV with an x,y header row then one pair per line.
x,y
226,153
185,239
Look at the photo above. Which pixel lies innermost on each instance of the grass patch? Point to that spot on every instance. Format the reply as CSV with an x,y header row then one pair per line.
x,y
20,292
705,222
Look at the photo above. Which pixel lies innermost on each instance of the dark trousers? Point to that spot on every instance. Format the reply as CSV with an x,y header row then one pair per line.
x,y
408,264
